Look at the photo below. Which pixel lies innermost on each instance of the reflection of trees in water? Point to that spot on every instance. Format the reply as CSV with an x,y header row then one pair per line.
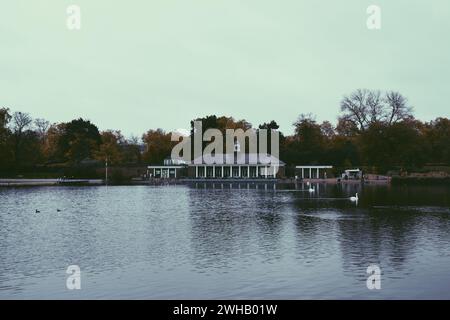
x,y
362,237
243,227
395,222
381,229
316,221
407,196
315,237
234,226
382,237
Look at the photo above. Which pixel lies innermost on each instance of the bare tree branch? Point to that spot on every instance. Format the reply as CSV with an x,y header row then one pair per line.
x,y
20,122
366,107
398,108
42,127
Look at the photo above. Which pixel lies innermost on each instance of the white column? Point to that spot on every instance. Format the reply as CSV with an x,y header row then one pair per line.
x,y
154,172
310,173
303,173
214,171
222,173
257,172
231,171
204,172
318,173
196,171
175,170
248,171
239,171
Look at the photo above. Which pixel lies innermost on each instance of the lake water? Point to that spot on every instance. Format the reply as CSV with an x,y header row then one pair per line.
x,y
189,242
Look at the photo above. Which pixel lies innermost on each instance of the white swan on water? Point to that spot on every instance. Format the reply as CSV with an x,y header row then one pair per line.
x,y
311,189
355,198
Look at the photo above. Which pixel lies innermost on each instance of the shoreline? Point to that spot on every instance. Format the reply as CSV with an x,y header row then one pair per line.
x,y
98,182
180,181
47,182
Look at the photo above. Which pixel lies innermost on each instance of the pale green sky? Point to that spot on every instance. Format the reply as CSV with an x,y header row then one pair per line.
x,y
137,65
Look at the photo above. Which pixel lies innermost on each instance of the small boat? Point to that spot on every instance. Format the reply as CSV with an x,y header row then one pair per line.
x,y
70,182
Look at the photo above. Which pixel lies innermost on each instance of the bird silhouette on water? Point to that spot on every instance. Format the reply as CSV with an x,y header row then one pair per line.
x,y
37,211
57,210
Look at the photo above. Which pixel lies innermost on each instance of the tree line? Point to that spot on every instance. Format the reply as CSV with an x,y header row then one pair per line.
x,y
375,129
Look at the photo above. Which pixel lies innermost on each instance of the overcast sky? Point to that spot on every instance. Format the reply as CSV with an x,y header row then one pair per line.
x,y
136,65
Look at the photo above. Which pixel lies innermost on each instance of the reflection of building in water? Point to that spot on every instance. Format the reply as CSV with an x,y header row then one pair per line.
x,y
227,228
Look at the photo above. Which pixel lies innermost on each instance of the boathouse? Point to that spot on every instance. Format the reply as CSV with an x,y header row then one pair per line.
x,y
221,166
238,166
172,168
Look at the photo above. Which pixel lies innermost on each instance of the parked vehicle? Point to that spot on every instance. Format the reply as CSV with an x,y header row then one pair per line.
x,y
352,174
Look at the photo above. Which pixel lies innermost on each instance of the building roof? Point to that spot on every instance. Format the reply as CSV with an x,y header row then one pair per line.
x,y
237,158
314,167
